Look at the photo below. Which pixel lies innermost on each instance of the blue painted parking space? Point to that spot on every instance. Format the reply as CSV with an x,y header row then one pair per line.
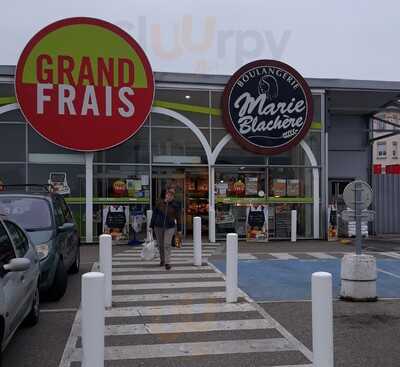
x,y
288,280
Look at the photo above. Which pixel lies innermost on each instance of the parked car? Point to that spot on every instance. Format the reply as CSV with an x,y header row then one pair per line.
x,y
50,225
19,281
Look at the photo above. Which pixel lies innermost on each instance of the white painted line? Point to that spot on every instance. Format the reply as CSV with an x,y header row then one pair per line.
x,y
321,255
388,273
56,310
246,257
168,297
69,349
393,255
142,262
161,270
194,309
165,275
186,327
192,349
283,256
177,252
129,287
133,256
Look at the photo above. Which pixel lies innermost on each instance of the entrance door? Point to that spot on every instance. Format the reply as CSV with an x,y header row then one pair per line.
x,y
191,191
336,188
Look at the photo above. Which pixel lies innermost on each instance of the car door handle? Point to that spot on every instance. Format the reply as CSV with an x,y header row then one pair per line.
x,y
22,278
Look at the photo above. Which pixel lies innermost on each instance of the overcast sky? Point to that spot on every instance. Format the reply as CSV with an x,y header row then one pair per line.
x,y
349,39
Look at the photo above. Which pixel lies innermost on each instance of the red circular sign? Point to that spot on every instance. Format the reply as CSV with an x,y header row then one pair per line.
x,y
84,84
267,107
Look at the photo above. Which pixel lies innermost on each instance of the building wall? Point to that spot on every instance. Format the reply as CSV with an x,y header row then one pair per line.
x,y
392,153
349,150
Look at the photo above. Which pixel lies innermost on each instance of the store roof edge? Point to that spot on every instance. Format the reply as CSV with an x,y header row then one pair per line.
x,y
210,79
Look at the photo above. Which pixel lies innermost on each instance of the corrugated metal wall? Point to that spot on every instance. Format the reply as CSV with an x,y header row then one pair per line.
x,y
386,203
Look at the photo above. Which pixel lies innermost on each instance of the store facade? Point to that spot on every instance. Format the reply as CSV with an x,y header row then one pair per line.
x,y
183,144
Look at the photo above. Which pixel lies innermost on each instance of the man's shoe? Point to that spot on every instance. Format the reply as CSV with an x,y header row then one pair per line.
x,y
162,263
167,266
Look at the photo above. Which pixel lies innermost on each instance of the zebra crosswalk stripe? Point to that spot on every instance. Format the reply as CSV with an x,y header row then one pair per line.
x,y
193,309
132,352
163,276
127,287
183,306
283,256
321,255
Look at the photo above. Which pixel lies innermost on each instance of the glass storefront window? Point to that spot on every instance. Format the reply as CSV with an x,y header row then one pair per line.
x,y
121,199
12,142
192,104
69,181
134,150
13,174
176,146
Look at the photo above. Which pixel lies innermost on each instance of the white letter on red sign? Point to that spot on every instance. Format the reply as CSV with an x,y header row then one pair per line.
x,y
40,97
90,101
64,99
130,107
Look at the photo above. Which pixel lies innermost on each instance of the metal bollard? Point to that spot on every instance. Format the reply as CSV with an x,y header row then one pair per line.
x,y
93,319
197,260
211,225
322,319
294,226
149,214
106,267
231,267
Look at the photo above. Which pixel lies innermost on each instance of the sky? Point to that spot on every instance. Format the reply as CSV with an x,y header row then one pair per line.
x,y
346,39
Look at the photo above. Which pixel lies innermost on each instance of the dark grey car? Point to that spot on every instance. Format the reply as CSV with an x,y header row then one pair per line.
x,y
49,223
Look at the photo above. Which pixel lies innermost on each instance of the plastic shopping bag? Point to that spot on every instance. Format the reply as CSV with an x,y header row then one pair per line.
x,y
149,251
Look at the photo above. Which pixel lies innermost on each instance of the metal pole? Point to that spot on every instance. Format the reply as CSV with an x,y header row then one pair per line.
x,y
231,267
294,226
211,225
149,214
197,260
357,203
322,319
106,266
93,319
89,197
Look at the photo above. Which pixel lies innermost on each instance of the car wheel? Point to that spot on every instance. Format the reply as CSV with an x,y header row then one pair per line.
x,y
77,263
59,286
33,316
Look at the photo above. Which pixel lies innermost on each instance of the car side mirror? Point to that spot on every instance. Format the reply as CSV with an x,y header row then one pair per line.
x,y
66,227
18,264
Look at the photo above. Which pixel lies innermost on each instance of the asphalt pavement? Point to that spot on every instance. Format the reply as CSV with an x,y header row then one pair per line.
x,y
366,334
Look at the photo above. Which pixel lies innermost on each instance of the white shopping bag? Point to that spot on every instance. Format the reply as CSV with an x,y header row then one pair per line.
x,y
149,251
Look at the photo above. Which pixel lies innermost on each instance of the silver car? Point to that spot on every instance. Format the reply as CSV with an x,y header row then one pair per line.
x,y
19,281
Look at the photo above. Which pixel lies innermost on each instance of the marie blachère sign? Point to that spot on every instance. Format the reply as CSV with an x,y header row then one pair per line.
x,y
267,107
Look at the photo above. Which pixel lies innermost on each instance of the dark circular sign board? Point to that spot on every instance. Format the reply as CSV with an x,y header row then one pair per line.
x,y
267,107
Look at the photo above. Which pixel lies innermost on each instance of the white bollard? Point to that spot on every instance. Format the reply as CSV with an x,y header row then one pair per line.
x,y
149,214
197,258
231,267
294,226
211,225
322,319
93,319
106,267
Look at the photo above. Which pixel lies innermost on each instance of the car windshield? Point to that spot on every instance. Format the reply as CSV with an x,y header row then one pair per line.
x,y
30,213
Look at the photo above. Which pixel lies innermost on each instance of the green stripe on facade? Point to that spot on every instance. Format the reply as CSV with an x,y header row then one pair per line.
x,y
82,200
8,100
316,125
269,200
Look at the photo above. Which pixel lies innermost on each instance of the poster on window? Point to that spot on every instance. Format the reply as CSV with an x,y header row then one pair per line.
x,y
257,223
116,221
59,182
279,187
293,188
251,186
333,223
